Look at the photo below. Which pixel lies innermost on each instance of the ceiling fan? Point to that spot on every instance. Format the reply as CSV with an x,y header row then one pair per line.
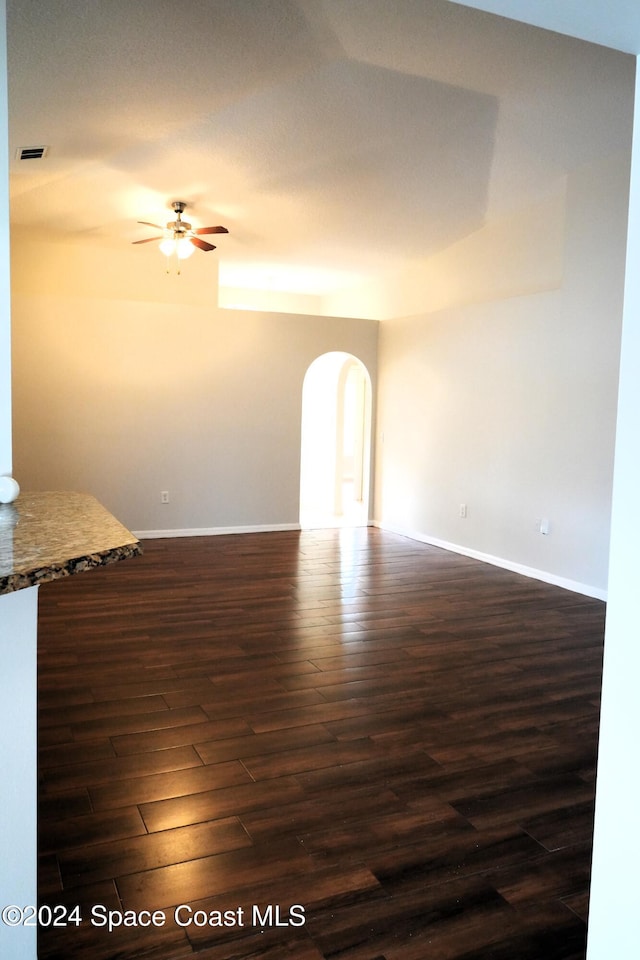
x,y
179,235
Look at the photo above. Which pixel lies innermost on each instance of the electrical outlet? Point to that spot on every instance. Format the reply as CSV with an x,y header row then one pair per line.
x,y
462,512
164,496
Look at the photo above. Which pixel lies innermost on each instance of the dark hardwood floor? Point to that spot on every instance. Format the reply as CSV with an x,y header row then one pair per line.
x,y
397,739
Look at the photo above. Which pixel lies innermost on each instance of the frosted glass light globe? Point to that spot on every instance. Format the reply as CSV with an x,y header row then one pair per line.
x,y
9,489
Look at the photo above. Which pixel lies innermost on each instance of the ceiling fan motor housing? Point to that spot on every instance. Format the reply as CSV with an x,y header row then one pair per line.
x,y
179,226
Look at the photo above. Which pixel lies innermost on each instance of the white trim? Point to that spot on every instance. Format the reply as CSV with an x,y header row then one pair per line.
x,y
213,531
575,586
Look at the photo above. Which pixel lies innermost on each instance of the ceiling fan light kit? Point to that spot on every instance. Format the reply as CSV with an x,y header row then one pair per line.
x,y
180,237
180,246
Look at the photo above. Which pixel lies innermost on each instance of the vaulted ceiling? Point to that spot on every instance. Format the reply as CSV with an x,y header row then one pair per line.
x,y
334,138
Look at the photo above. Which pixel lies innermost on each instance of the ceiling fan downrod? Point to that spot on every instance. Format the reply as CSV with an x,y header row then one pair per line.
x,y
180,225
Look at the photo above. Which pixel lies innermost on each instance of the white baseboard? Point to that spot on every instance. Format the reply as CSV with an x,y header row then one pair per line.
x,y
212,531
575,586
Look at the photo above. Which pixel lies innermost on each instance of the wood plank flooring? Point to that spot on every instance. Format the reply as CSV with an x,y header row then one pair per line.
x,y
397,739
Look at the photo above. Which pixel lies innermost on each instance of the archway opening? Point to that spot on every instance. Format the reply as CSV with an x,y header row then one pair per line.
x,y
335,442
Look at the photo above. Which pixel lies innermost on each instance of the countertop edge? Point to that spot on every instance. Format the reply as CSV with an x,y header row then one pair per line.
x,y
58,571
52,535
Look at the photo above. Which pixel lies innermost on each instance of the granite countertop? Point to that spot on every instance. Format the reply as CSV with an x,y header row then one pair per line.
x,y
46,536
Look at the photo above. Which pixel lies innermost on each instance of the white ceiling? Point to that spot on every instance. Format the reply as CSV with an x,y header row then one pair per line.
x,y
613,23
336,138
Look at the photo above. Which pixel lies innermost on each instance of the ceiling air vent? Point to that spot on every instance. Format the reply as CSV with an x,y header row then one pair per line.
x,y
32,153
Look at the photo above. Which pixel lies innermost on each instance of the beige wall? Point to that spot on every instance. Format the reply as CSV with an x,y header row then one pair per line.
x,y
508,403
128,397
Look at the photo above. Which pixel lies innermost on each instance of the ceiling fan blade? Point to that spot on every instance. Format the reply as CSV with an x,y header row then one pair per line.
x,y
147,224
202,244
211,230
148,240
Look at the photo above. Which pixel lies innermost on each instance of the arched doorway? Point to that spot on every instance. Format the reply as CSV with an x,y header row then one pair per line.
x,y
335,442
